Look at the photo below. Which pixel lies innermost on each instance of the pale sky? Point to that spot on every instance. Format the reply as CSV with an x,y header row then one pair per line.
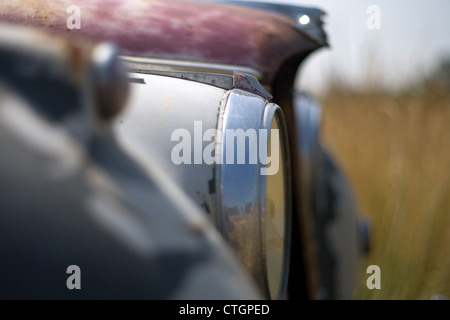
x,y
414,35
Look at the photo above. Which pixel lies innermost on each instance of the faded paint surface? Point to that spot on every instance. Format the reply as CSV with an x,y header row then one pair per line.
x,y
197,31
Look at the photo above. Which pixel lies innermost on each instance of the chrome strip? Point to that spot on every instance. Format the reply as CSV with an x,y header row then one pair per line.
x,y
217,80
142,64
274,112
238,80
240,199
241,187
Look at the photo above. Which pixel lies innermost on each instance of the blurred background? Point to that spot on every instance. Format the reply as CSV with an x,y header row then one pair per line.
x,y
384,85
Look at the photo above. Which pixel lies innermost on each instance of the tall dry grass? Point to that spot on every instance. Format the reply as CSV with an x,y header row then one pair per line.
x,y
395,150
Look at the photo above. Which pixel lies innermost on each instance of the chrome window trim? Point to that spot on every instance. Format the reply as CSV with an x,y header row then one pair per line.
x,y
217,80
238,80
145,64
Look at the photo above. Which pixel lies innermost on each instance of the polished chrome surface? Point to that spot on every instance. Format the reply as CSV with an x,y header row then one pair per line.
x,y
277,220
157,109
242,192
232,194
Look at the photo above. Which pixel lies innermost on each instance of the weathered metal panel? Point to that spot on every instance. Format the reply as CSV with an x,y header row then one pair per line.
x,y
197,31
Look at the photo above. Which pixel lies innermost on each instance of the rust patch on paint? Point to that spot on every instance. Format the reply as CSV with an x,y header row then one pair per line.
x,y
196,31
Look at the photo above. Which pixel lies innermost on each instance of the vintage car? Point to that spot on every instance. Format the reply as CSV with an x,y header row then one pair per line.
x,y
181,159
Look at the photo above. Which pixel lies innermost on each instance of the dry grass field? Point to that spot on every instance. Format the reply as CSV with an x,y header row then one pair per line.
x,y
395,150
